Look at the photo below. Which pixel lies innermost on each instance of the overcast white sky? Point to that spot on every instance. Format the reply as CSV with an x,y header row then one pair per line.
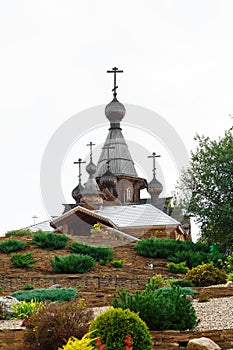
x,y
177,57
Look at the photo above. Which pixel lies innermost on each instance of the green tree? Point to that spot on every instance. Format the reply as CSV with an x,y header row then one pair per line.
x,y
205,189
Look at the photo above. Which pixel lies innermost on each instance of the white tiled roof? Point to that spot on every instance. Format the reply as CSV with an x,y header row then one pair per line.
x,y
136,215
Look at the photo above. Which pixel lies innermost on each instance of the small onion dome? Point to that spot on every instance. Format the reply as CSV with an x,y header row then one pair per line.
x,y
76,191
91,168
108,178
115,111
155,186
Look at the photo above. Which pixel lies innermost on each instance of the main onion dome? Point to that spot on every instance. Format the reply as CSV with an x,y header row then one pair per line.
x,y
115,112
155,186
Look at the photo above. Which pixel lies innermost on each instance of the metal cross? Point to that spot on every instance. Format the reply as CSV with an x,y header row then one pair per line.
x,y
115,70
79,162
108,160
90,145
154,156
34,218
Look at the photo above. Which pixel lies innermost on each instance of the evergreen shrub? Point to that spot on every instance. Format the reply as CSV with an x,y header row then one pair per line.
x,y
11,245
163,248
177,268
73,263
118,263
192,258
180,283
162,309
114,325
206,275
98,253
24,232
55,294
51,326
23,260
49,240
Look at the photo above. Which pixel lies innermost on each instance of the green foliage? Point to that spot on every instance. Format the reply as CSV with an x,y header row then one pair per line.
x,y
183,290
164,248
73,263
118,263
11,245
19,233
207,186
230,277
115,324
49,240
229,263
191,258
23,260
47,329
206,275
177,268
28,286
26,309
98,253
155,283
180,283
162,309
53,294
86,343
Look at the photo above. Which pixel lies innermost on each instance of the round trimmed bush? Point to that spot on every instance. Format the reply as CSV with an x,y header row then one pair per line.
x,y
206,275
115,324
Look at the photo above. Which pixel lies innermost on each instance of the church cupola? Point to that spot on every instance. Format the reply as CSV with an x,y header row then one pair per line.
x,y
154,186
91,197
76,193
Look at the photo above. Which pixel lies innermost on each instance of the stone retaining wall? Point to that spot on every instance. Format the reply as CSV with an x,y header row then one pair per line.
x,y
12,284
12,339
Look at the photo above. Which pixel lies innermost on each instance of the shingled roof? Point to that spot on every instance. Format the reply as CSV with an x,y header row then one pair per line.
x,y
121,162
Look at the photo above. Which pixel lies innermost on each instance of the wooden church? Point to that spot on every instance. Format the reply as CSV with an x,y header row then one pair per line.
x,y
112,193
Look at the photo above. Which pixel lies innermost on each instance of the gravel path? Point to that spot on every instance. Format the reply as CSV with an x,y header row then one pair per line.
x,y
217,313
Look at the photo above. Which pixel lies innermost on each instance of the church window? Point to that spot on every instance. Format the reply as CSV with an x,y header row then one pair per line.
x,y
128,195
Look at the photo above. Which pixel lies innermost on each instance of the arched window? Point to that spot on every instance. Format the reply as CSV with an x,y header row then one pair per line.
x,y
128,195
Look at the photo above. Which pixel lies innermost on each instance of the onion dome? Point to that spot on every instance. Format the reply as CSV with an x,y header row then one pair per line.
x,y
91,168
115,112
77,191
108,178
155,186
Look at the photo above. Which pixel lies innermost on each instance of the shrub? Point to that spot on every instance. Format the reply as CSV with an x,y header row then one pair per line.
x,y
28,286
163,248
191,258
23,260
115,324
161,309
26,309
49,240
206,275
24,232
177,268
86,343
11,245
73,263
118,263
180,283
47,329
155,283
98,253
55,294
